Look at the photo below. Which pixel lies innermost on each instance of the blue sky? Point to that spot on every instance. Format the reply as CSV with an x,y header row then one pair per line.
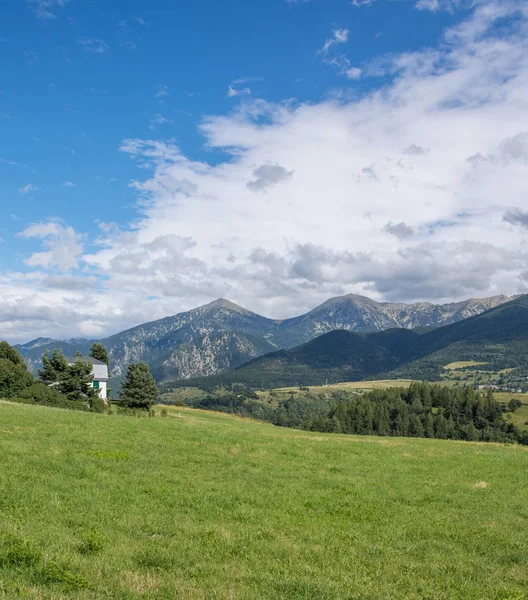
x,y
157,155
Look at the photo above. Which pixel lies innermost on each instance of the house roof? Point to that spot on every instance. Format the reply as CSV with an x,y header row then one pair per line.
x,y
99,368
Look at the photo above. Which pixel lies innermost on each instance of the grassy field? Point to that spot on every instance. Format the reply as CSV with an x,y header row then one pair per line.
x,y
462,364
273,396
202,505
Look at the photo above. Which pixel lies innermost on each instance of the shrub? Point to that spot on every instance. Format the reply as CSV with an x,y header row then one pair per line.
x,y
514,404
40,393
97,405
164,412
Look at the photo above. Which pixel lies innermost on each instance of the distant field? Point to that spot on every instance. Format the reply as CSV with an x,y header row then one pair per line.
x,y
355,385
462,364
183,394
201,505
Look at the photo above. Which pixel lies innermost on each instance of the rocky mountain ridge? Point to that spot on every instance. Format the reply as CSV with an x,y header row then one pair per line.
x,y
221,335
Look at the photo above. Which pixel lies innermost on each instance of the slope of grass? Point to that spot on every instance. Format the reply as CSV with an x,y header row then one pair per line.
x,y
461,364
200,505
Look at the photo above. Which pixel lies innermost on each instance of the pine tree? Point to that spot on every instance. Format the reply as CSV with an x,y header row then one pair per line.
x,y
428,424
99,352
76,382
54,368
416,428
139,390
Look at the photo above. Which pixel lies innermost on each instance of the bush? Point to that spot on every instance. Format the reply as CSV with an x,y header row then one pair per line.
x,y
164,412
514,404
97,405
41,393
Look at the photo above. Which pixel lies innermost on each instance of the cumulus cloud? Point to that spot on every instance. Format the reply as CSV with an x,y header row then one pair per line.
x,y
400,230
267,176
515,149
63,245
414,150
517,217
347,182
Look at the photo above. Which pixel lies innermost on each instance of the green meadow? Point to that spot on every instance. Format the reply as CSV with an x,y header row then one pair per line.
x,y
201,505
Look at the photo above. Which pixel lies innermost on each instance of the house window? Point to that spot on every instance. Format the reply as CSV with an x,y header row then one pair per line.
x,y
96,385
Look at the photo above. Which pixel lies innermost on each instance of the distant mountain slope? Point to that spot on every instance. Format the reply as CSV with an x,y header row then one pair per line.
x,y
498,336
222,335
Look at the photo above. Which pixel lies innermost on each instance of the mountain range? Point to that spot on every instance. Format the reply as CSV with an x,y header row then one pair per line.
x,y
498,337
222,335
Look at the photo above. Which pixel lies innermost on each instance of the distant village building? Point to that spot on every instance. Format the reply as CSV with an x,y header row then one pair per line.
x,y
99,372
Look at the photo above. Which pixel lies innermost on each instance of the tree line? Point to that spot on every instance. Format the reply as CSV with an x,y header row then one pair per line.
x,y
423,410
69,384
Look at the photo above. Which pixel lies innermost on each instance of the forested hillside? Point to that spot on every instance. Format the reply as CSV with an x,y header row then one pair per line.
x,y
498,337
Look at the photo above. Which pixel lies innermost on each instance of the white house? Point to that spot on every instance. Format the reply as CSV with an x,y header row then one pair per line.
x,y
99,372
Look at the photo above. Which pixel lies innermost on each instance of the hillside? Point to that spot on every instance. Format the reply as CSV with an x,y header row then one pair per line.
x,y
222,335
240,510
498,337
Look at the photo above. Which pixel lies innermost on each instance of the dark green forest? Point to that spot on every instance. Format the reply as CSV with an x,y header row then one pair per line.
x,y
423,410
498,337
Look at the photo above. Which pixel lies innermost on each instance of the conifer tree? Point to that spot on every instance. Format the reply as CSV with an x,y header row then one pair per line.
x,y
139,390
99,352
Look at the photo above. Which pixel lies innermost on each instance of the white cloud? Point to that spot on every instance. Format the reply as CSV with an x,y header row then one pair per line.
x,y
93,45
27,189
233,90
159,120
371,195
339,36
267,176
46,9
341,62
448,5
63,246
162,91
353,73
69,184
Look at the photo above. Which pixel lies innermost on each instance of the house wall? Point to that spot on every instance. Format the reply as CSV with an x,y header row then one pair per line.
x,y
103,389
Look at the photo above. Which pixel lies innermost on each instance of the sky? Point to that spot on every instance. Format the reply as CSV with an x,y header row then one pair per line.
x,y
155,156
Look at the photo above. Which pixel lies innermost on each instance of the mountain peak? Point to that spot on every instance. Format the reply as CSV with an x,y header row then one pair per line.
x,y
223,303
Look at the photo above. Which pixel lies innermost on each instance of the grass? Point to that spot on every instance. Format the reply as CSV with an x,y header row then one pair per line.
x,y
275,395
180,395
207,506
454,366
